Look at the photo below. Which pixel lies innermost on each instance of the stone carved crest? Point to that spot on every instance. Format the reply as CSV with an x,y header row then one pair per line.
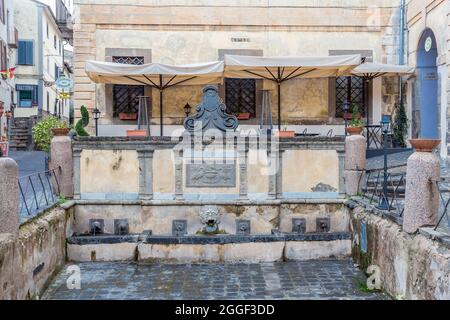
x,y
211,175
211,114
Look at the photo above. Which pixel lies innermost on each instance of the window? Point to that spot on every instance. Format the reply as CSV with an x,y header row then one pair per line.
x,y
48,34
2,11
54,42
240,96
25,52
349,89
48,101
27,95
124,96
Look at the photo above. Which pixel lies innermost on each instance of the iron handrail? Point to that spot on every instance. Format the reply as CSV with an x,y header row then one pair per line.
x,y
38,191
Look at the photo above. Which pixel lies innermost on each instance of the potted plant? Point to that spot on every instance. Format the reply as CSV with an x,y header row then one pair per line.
x,y
128,116
356,124
285,133
2,109
8,114
45,129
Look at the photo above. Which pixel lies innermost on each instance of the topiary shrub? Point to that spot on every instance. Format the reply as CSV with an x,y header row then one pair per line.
x,y
42,132
82,123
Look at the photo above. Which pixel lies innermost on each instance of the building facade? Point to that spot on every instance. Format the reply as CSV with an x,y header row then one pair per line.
x,y
8,46
429,51
41,57
194,31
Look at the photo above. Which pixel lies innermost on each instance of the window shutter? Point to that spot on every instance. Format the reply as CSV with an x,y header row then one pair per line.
x,y
30,53
21,52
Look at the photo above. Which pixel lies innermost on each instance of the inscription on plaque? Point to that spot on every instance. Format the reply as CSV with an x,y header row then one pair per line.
x,y
211,175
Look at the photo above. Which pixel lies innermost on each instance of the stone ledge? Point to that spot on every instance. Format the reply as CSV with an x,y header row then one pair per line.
x,y
206,240
165,203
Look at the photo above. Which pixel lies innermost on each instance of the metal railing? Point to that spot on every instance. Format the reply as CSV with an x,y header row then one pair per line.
x,y
372,189
38,192
372,183
443,186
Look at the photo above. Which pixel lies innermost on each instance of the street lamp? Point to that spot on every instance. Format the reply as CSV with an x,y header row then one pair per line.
x,y
384,202
187,109
96,114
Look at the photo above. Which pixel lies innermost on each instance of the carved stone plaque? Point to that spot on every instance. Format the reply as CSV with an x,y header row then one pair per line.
x,y
213,175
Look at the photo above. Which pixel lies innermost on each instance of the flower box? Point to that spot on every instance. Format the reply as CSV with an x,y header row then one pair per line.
x,y
137,133
127,116
243,116
286,134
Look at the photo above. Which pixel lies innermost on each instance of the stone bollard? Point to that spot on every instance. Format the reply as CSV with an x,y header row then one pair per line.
x,y
355,163
61,156
422,195
9,196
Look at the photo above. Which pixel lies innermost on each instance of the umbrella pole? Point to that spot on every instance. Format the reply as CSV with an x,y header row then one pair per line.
x,y
160,105
279,105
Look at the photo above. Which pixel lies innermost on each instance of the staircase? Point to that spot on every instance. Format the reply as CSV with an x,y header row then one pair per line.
x,y
20,134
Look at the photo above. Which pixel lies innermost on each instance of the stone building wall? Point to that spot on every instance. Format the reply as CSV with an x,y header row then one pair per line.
x,y
193,31
435,15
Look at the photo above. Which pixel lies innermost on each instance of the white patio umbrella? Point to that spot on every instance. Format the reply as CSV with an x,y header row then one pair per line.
x,y
281,69
156,75
370,70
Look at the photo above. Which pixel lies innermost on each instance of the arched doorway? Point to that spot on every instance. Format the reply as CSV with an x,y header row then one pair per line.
x,y
427,77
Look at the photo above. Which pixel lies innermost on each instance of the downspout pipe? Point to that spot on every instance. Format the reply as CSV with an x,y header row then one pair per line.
x,y
402,45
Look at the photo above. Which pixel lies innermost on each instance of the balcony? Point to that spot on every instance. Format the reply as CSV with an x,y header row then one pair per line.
x,y
13,38
64,20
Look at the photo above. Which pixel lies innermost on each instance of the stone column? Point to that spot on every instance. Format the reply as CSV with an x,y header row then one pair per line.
x,y
145,174
355,163
243,177
178,174
76,173
422,195
9,196
61,156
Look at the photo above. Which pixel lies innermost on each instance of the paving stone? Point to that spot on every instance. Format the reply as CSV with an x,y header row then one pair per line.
x,y
285,280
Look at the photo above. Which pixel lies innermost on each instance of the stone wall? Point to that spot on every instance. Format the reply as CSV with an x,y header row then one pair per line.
x,y
29,262
411,266
124,169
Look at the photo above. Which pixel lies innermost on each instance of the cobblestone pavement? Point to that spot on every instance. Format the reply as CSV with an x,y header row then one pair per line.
x,y
29,161
329,279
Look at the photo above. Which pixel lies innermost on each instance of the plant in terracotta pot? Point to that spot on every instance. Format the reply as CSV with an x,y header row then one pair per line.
x,y
45,129
356,124
285,133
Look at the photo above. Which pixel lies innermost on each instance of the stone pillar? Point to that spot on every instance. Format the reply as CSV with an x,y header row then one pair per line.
x,y
179,174
61,156
145,174
243,177
355,163
422,195
77,173
9,196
